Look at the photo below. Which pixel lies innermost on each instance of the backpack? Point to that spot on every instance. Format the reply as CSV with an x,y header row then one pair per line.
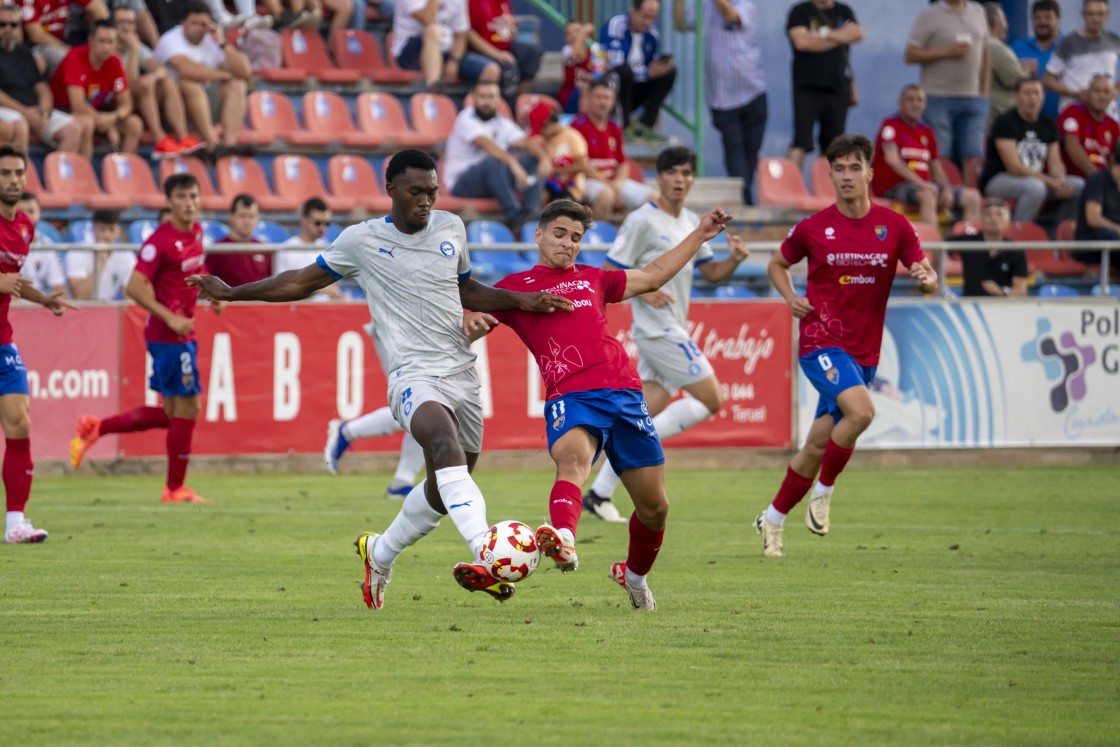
x,y
262,47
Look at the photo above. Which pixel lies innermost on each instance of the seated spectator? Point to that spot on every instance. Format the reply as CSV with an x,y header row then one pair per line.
x,y
1088,132
431,36
644,77
493,34
45,23
157,94
609,188
1098,215
1006,70
111,269
238,268
314,218
78,25
278,17
26,103
1088,51
567,149
907,166
92,84
997,272
1024,163
584,62
480,161
43,268
203,61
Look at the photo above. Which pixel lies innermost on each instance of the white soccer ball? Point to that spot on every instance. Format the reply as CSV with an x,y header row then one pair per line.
x,y
509,551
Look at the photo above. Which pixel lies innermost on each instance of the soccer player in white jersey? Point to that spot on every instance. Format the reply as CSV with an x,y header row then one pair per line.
x,y
414,269
668,359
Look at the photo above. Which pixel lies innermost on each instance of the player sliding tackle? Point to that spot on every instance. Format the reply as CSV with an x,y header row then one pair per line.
x,y
594,401
414,269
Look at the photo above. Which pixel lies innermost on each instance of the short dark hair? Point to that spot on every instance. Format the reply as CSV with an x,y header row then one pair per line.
x,y
600,83
190,7
28,196
245,199
1051,5
566,209
408,159
848,145
179,181
311,205
637,4
101,24
1086,2
1030,79
107,217
675,155
8,151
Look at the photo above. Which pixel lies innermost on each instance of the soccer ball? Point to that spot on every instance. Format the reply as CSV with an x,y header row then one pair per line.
x,y
509,551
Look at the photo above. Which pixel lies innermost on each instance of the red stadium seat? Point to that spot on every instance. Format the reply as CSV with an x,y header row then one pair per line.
x,y
927,232
47,199
636,172
72,175
780,185
527,101
327,113
237,175
952,173
272,115
433,115
302,49
283,74
353,177
450,202
298,177
503,107
820,182
381,115
360,51
129,175
211,200
1057,263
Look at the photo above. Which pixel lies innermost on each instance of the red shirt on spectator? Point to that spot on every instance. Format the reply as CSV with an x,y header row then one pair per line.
x,y
493,21
576,74
101,86
604,147
1097,138
52,15
916,146
238,268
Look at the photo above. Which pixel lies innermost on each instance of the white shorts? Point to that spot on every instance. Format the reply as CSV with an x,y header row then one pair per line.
x,y
56,122
634,194
459,393
673,361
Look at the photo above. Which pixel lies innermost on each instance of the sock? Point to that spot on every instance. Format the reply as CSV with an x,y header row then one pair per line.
x,y
644,544
832,464
179,434
823,489
465,505
138,419
774,516
679,416
606,482
635,580
376,423
14,519
415,520
17,471
411,462
792,490
565,503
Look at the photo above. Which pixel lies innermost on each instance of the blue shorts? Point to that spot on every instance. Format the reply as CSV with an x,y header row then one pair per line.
x,y
470,67
13,374
174,368
618,418
831,371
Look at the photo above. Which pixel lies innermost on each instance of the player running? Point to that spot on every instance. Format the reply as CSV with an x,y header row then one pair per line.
x,y
853,248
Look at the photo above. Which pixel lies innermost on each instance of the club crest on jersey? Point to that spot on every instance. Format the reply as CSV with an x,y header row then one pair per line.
x,y
447,249
833,375
881,232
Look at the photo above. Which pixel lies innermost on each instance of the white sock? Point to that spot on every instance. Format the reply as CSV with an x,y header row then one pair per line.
x,y
566,535
376,423
415,520
411,461
679,416
465,504
606,482
823,489
14,519
774,516
635,581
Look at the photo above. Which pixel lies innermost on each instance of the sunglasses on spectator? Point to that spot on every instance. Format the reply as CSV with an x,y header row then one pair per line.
x,y
9,24
319,223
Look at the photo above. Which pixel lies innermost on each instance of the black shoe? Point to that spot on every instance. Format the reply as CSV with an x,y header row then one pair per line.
x,y
602,508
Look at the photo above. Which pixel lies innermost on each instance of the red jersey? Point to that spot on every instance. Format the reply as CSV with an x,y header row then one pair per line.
x,y
101,86
52,15
575,350
1097,138
851,267
15,236
167,258
240,267
576,74
493,21
604,147
916,146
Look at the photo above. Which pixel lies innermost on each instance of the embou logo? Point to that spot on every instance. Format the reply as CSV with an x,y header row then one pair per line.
x,y
1064,362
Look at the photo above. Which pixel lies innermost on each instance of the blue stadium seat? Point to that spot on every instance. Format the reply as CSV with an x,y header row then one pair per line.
x,y
529,232
140,230
719,241
45,233
213,230
271,233
600,233
733,291
495,264
701,293
1113,290
592,257
80,232
1056,290
486,232
333,230
953,290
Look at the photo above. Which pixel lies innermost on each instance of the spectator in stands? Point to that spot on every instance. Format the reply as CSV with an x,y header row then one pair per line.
x,y
584,62
238,268
1089,51
92,84
1006,71
338,11
480,158
608,186
204,62
567,150
997,272
158,98
907,165
431,36
1034,51
1098,215
1088,133
820,33
26,103
735,94
43,269
277,17
949,41
45,23
493,34
314,218
645,78
1024,162
78,26
111,269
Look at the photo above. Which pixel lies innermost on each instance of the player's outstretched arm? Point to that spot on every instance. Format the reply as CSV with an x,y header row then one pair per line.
x,y
715,272
778,270
57,302
924,275
293,285
664,268
477,324
478,297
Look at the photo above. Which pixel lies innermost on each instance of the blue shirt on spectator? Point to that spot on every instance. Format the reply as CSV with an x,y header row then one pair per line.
x,y
1027,49
616,38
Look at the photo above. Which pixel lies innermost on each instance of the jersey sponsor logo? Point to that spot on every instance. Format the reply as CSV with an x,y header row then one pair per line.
x,y
857,280
830,233
880,232
854,259
383,250
581,304
571,286
447,249
15,259
190,264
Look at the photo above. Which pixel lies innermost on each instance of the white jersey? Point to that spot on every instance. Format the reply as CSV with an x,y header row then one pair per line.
x,y
295,259
645,235
411,282
115,274
44,270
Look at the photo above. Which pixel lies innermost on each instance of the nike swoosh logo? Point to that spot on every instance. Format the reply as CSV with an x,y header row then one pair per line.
x,y
458,505
813,521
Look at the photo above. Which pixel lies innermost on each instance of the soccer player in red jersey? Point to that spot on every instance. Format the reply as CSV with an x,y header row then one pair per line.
x,y
853,249
16,234
594,399
158,284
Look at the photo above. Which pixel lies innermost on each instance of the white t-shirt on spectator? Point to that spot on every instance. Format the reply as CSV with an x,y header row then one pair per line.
x,y
461,152
114,275
295,259
174,44
44,270
452,17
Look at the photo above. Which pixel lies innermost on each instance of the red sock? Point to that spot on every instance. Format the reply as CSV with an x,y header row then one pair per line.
x,y
793,489
179,433
644,544
17,472
564,505
833,463
138,419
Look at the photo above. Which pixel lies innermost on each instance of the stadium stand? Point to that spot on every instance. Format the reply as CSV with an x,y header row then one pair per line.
x,y
47,199
327,113
1046,261
381,115
140,230
601,233
72,175
237,175
129,175
433,115
352,175
780,185
1098,290
527,101
733,291
306,51
1056,290
272,115
211,200
271,232
298,177
362,52
80,232
503,107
